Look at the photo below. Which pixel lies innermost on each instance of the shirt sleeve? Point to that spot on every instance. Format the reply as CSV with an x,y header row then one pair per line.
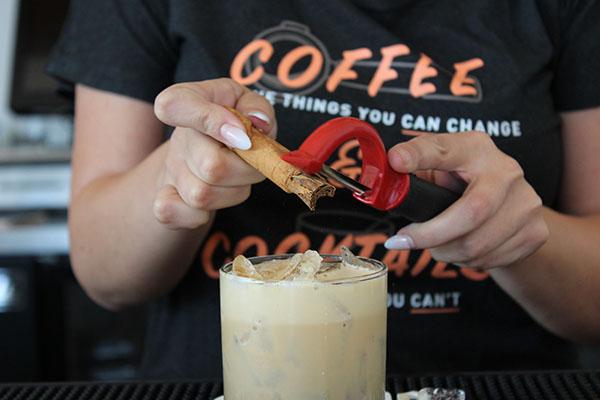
x,y
576,83
121,46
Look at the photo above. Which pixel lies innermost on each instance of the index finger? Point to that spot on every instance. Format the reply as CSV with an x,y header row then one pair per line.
x,y
201,106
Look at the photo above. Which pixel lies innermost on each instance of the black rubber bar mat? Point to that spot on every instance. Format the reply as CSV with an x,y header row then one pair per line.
x,y
559,385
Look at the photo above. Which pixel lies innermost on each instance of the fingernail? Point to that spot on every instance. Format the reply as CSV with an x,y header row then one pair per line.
x,y
399,242
405,157
260,115
235,137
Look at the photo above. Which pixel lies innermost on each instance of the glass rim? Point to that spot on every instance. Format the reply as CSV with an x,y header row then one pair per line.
x,y
381,270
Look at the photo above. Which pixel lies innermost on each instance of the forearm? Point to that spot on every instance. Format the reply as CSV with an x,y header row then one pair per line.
x,y
559,285
120,253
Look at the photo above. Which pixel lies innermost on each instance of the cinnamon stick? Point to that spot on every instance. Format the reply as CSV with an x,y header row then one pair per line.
x,y
265,156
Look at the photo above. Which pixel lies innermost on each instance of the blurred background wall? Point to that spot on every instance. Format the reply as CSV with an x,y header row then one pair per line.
x,y
49,329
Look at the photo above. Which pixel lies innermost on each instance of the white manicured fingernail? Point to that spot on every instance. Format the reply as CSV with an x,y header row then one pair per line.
x,y
235,137
399,242
260,115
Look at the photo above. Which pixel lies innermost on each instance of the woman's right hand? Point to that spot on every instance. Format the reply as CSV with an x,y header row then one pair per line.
x,y
200,173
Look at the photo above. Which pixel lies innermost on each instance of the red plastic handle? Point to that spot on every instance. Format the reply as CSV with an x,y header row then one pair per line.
x,y
388,187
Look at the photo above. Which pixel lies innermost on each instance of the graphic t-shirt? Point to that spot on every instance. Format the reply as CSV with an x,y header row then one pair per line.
x,y
408,67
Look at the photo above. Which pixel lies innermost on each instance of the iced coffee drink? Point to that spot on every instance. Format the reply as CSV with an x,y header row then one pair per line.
x,y
303,327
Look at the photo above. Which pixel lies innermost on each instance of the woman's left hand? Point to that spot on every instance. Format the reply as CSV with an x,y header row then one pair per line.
x,y
497,221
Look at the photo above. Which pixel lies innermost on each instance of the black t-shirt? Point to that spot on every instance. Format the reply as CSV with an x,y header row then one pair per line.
x,y
506,68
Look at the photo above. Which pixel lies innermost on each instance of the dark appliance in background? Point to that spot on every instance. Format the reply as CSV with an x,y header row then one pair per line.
x,y
34,92
18,328
31,317
49,329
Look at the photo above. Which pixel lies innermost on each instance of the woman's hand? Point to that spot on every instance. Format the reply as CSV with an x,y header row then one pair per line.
x,y
200,173
497,221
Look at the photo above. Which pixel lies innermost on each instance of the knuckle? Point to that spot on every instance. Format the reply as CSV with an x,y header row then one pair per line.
x,y
164,211
165,102
214,169
533,206
204,122
477,207
536,202
481,138
230,86
236,87
513,169
200,196
229,81
202,219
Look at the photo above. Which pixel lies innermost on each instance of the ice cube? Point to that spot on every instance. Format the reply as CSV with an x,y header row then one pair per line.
x,y
277,270
309,265
350,260
244,267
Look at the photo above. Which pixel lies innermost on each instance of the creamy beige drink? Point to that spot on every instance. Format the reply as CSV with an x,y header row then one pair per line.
x,y
296,328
